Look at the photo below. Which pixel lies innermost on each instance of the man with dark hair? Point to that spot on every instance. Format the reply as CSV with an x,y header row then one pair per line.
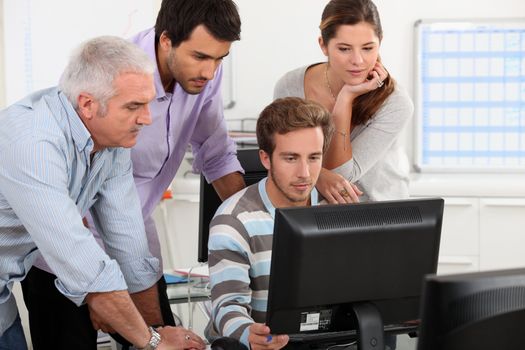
x,y
179,18
292,134
188,43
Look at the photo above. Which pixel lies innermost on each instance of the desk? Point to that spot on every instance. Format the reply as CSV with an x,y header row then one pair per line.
x,y
199,289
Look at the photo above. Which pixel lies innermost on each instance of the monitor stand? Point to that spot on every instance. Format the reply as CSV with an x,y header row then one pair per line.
x,y
370,332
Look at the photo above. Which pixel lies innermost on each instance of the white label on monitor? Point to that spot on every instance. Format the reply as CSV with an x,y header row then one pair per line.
x,y
309,321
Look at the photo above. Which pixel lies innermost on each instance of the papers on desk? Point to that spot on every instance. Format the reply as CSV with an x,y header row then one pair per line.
x,y
243,137
173,279
198,271
198,286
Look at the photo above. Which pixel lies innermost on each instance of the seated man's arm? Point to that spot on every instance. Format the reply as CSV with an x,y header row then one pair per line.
x,y
229,262
229,265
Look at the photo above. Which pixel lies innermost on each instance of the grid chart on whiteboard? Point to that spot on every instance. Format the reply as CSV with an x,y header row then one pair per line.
x,y
472,97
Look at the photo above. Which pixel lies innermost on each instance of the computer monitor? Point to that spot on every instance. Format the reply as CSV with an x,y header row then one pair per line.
x,y
474,311
355,268
210,201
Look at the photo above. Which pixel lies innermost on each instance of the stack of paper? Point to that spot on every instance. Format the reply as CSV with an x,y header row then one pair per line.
x,y
197,271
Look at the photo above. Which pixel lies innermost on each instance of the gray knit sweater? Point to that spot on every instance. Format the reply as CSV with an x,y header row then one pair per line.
x,y
379,166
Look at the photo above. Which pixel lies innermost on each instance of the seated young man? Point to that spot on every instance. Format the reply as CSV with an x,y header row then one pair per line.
x,y
292,134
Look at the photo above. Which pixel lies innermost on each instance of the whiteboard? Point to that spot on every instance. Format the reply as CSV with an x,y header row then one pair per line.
x,y
470,95
39,36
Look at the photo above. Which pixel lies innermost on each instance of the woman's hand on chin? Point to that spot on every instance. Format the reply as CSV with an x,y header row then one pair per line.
x,y
375,80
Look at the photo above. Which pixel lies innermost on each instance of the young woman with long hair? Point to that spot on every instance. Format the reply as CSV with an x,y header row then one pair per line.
x,y
369,109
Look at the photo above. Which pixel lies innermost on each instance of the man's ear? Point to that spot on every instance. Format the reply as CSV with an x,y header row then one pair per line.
x,y
165,41
265,159
322,45
86,105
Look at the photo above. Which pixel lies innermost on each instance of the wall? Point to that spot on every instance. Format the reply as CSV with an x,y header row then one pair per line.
x,y
2,88
39,36
280,35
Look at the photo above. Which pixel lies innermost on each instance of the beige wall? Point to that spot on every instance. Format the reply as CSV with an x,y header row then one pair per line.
x,y
2,80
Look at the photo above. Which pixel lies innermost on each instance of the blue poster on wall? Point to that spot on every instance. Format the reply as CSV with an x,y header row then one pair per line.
x,y
470,95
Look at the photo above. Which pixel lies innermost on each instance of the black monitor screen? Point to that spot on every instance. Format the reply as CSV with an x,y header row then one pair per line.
x,y
330,260
209,200
474,311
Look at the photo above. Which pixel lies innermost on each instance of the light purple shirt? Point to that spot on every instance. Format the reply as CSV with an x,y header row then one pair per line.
x,y
178,119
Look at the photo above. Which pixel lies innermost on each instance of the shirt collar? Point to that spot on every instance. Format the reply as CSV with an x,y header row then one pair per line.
x,y
268,204
147,43
79,132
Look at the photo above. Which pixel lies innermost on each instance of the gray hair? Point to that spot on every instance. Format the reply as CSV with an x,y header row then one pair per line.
x,y
96,63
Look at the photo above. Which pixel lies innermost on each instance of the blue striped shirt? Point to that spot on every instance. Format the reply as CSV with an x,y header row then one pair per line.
x,y
240,253
47,184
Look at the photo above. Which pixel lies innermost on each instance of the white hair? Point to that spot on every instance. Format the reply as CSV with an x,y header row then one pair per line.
x,y
96,63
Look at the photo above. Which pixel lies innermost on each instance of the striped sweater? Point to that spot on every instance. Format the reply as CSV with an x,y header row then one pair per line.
x,y
240,249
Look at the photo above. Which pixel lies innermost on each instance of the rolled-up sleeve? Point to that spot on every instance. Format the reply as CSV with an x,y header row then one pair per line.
x,y
118,218
34,180
109,279
215,153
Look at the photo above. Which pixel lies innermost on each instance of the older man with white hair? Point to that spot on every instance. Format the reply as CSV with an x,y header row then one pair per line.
x,y
64,152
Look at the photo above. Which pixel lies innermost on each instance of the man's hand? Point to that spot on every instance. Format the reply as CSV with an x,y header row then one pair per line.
x,y
336,189
179,338
260,338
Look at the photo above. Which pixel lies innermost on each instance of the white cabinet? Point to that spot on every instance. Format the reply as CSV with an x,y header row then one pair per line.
x,y
502,233
484,219
177,221
482,233
483,226
459,244
459,248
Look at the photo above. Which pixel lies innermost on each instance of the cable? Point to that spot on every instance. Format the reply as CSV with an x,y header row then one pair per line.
x,y
190,310
341,345
190,285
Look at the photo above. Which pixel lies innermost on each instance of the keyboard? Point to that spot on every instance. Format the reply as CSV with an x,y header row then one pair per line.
x,y
350,335
321,336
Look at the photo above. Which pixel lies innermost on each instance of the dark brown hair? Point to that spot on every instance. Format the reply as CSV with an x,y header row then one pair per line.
x,y
288,114
341,12
180,17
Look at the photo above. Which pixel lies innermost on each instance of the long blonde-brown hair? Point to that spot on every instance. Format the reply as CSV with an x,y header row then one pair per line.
x,y
342,12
